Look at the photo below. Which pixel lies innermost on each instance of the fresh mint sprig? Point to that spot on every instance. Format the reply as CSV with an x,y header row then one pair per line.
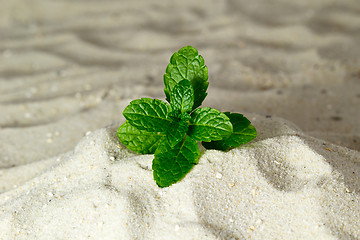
x,y
171,130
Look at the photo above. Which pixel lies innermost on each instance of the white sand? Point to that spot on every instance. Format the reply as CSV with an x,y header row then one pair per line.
x,y
69,68
284,185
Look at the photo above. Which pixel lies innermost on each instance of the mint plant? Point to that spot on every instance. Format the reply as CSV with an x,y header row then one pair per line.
x,y
171,131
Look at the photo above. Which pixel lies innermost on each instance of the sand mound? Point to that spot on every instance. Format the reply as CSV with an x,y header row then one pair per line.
x,y
283,186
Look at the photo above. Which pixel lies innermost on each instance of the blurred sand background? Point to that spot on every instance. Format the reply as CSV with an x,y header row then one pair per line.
x,y
68,68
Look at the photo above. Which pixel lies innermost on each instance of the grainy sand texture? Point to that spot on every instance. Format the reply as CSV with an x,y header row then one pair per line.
x,y
69,68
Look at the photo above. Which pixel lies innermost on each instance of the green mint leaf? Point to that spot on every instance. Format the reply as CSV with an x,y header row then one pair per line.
x,y
182,97
243,133
171,164
148,114
139,141
209,124
187,64
185,117
176,131
171,131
